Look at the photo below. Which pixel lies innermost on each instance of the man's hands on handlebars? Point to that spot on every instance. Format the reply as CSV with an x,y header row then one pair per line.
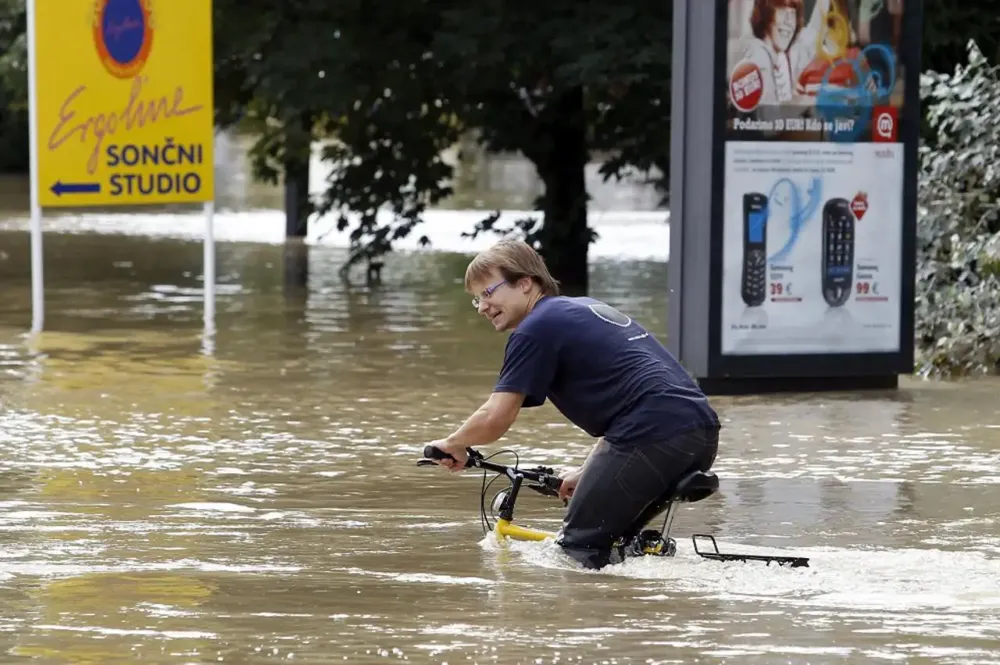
x,y
457,451
540,478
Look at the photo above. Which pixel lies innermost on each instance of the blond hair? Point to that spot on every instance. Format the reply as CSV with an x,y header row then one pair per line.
x,y
513,259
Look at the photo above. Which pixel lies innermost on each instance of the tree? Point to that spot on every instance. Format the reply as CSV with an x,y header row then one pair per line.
x,y
14,149
950,26
958,237
394,87
368,85
558,83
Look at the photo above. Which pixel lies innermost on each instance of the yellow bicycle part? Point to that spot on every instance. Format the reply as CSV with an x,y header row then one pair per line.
x,y
505,529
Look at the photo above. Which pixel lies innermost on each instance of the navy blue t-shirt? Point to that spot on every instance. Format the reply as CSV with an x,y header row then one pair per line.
x,y
603,371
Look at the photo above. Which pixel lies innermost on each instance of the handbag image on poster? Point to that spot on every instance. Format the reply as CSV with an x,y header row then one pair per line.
x,y
752,283
838,251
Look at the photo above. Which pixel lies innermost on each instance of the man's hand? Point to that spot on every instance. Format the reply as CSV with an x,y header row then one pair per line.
x,y
456,450
569,482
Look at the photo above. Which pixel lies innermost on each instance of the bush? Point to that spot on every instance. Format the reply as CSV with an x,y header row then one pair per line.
x,y
958,226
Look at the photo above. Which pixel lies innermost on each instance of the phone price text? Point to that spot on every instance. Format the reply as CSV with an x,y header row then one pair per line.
x,y
782,292
868,291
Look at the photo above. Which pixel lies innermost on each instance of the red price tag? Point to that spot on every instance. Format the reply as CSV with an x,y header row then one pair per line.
x,y
865,288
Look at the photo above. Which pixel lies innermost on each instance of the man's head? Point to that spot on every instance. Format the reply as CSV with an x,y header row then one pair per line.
x,y
506,281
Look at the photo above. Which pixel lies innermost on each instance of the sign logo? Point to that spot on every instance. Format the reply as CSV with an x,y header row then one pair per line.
x,y
123,35
884,125
746,85
859,206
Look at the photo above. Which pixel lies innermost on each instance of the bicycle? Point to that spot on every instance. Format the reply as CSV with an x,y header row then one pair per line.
x,y
692,488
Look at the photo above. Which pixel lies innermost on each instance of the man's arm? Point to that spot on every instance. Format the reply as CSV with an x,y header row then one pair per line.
x,y
489,422
528,370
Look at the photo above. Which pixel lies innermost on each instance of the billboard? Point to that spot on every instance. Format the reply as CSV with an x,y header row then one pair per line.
x,y
814,191
124,102
121,114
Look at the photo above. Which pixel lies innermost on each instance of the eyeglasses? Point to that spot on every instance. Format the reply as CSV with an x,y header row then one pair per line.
x,y
487,292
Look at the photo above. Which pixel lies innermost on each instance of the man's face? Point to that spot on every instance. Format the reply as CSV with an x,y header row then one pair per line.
x,y
505,305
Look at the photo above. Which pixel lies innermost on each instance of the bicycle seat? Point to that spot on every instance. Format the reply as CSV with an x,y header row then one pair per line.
x,y
696,486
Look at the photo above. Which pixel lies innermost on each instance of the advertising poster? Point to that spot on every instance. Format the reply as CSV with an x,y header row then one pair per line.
x,y
813,184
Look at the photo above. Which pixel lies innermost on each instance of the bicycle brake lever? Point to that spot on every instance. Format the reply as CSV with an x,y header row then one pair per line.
x,y
426,462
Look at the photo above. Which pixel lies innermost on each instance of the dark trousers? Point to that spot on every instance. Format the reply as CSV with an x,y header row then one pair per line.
x,y
624,486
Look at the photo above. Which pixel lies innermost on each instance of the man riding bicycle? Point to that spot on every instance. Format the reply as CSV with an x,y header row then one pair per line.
x,y
608,376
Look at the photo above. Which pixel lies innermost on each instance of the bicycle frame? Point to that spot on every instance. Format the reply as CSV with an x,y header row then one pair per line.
x,y
544,481
505,529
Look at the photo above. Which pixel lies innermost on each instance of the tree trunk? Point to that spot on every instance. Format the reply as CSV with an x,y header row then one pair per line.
x,y
298,205
561,158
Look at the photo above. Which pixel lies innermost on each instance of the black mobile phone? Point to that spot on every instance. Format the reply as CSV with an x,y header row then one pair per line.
x,y
752,285
838,251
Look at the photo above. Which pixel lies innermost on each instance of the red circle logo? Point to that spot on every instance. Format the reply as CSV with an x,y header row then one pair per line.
x,y
746,85
885,125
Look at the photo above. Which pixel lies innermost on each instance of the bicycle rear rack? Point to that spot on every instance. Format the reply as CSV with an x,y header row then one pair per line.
x,y
716,555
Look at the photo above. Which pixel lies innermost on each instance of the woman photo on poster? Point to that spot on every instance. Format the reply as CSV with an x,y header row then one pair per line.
x,y
806,50
776,37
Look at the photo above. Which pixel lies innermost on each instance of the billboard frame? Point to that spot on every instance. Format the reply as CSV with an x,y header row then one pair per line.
x,y
695,291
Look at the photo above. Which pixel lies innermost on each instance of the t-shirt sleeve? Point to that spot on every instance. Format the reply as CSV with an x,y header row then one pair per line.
x,y
529,365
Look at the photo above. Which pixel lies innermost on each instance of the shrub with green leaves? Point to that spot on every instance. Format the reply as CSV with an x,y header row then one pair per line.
x,y
958,226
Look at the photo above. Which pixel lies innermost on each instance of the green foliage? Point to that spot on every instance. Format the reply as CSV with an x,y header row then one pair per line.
x,y
390,125
949,26
367,85
14,149
561,83
509,64
958,240
393,87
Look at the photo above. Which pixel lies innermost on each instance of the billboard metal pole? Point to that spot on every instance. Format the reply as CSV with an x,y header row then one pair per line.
x,y
37,256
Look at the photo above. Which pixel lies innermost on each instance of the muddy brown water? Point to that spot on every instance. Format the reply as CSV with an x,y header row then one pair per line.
x,y
253,498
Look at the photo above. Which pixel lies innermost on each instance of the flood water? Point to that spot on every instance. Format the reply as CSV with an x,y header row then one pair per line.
x,y
253,497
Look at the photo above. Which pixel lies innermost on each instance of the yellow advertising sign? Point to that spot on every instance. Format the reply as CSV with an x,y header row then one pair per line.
x,y
124,102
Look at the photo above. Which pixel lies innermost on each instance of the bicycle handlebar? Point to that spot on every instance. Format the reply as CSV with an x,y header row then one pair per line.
x,y
541,475
433,452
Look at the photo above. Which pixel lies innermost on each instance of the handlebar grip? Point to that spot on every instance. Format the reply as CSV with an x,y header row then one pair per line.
x,y
433,452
